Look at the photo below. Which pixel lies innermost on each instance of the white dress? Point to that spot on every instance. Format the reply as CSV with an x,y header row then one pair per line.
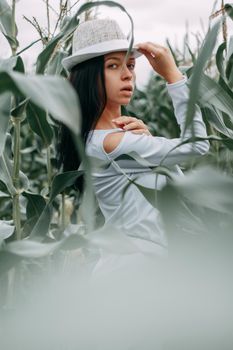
x,y
134,158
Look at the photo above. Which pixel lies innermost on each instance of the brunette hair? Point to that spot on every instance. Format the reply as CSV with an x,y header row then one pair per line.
x,y
87,78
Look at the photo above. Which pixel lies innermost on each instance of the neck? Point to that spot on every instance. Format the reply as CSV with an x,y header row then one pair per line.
x,y
110,112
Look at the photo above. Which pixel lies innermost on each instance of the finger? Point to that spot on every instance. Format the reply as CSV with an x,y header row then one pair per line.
x,y
149,46
153,50
150,56
124,120
134,125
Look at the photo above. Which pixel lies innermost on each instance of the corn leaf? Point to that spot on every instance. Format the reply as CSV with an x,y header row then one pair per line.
x,y
6,166
5,174
211,93
229,10
5,107
19,66
62,181
38,122
59,183
207,187
35,206
46,54
8,64
7,25
53,94
220,60
6,230
215,118
197,72
19,110
55,67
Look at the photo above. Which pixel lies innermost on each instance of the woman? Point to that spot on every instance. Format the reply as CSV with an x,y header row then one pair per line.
x,y
104,78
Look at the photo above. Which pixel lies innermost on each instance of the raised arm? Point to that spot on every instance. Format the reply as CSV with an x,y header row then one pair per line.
x,y
153,149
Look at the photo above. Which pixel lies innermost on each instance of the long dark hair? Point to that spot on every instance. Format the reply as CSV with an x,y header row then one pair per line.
x,y
88,80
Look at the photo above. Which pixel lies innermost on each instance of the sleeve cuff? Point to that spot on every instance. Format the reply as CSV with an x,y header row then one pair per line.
x,y
177,84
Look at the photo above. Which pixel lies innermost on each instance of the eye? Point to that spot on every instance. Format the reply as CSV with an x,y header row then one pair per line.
x,y
131,66
113,65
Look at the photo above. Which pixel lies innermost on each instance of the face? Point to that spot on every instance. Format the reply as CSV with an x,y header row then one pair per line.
x,y
119,77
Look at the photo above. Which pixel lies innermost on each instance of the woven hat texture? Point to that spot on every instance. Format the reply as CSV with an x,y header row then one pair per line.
x,y
95,38
96,31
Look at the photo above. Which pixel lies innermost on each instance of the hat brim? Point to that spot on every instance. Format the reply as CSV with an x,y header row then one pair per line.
x,y
98,50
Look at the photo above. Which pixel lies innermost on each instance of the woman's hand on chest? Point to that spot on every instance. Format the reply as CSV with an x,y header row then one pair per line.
x,y
133,124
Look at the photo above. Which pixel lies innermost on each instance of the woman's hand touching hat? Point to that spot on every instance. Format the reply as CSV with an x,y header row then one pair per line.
x,y
161,60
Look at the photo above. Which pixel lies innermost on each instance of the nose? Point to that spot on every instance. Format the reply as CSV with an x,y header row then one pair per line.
x,y
126,73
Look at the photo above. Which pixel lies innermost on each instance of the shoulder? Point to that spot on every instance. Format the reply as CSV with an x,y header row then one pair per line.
x,y
112,140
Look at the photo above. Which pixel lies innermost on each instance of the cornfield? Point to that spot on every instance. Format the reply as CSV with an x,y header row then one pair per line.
x,y
45,224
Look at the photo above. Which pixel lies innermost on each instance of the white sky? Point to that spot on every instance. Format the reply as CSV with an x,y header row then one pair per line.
x,y
154,20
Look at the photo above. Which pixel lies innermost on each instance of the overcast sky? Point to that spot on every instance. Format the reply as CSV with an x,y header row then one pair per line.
x,y
154,20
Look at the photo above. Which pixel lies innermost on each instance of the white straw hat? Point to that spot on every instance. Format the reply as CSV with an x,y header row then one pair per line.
x,y
95,38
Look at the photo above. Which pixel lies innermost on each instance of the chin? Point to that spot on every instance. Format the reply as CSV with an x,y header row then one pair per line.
x,y
125,102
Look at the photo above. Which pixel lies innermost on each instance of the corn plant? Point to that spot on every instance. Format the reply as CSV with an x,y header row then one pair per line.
x,y
200,212
33,194
154,105
35,209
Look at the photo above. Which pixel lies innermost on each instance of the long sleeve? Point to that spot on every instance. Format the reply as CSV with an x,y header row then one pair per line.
x,y
151,150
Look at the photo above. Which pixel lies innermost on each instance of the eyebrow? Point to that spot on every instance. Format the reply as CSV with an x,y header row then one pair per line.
x,y
117,58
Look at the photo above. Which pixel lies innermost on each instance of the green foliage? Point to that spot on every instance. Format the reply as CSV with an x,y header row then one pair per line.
x,y
5,105
45,57
37,119
29,105
154,107
61,101
197,72
59,184
7,24
32,190
200,203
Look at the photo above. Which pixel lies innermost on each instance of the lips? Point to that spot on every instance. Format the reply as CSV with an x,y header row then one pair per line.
x,y
128,88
